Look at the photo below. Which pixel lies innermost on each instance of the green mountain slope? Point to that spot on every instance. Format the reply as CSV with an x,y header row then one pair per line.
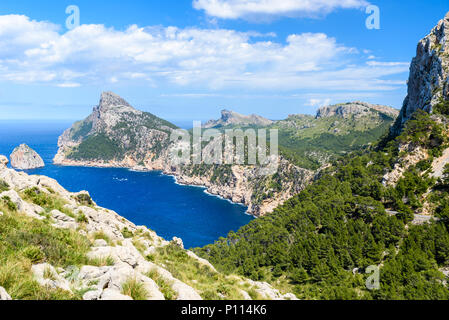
x,y
386,207
312,141
320,242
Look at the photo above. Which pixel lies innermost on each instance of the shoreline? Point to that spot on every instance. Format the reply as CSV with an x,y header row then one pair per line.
x,y
142,169
208,193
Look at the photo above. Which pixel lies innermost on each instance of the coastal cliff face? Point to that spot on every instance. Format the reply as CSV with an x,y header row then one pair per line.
x,y
91,253
357,109
25,158
428,83
230,118
117,135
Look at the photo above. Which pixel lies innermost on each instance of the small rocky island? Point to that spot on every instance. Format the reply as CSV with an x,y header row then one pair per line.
x,y
25,158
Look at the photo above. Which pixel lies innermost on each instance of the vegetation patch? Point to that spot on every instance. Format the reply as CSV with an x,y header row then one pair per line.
x,y
134,289
25,241
3,186
209,284
321,241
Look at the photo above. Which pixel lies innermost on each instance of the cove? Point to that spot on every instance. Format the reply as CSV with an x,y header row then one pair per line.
x,y
145,198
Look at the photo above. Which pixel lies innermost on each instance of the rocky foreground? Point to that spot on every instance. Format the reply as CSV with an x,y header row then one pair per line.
x,y
122,261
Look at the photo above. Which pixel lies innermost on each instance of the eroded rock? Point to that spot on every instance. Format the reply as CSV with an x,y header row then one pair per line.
x,y
25,158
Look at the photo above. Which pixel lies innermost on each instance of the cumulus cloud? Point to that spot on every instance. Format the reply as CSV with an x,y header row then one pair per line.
x,y
235,9
318,102
35,52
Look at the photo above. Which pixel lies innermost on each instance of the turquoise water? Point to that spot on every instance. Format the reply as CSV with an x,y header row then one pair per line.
x,y
145,198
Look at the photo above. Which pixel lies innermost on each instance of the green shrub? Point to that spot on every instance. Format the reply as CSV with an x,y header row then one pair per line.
x,y
9,204
3,186
134,289
164,286
25,241
81,218
127,233
84,199
442,107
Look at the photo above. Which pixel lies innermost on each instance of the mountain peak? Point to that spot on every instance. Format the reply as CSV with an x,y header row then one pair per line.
x,y
229,118
429,74
111,101
355,108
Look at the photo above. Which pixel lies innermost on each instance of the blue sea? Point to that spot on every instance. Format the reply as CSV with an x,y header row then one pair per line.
x,y
145,198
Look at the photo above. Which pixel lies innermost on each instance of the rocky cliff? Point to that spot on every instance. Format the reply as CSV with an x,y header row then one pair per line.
x,y
231,118
25,158
117,135
428,83
355,109
106,256
422,128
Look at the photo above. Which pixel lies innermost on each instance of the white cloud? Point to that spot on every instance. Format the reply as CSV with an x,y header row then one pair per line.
x,y
318,102
68,85
249,9
34,52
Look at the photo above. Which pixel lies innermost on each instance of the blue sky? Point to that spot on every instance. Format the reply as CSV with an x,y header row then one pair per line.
x,y
185,60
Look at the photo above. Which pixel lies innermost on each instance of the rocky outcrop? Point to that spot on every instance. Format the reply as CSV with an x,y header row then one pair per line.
x,y
128,138
3,162
118,257
25,158
231,118
117,135
356,109
413,155
4,296
246,185
429,70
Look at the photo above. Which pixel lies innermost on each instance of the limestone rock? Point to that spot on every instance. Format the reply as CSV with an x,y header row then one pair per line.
x,y
29,209
356,109
201,260
178,242
100,243
125,261
4,296
245,295
233,118
25,158
267,291
46,275
92,295
3,162
110,294
429,70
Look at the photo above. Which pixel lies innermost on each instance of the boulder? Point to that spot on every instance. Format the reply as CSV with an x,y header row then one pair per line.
x,y
25,158
110,294
4,296
177,242
29,209
3,162
46,275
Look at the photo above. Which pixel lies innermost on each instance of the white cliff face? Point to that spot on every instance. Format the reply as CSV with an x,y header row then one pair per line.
x,y
233,118
356,109
429,71
25,158
126,256
144,143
